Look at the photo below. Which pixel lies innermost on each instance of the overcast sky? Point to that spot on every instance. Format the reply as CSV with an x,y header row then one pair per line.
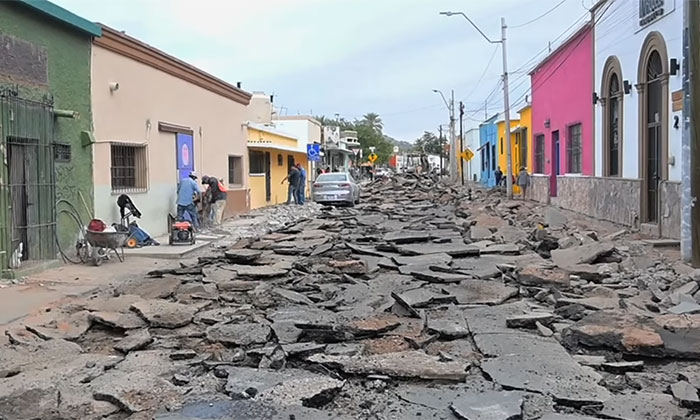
x,y
349,56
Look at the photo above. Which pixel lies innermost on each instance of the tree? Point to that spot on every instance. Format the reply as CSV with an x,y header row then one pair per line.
x,y
430,143
373,121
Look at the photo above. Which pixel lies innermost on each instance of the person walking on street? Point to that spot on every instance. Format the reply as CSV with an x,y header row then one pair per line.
x,y
187,191
301,187
523,181
293,179
499,176
217,198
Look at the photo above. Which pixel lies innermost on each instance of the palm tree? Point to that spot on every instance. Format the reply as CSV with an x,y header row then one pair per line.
x,y
373,121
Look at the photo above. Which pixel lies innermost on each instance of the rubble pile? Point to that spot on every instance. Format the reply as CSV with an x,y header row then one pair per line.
x,y
424,301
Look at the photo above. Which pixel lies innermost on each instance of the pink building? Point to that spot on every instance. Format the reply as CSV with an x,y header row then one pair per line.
x,y
562,118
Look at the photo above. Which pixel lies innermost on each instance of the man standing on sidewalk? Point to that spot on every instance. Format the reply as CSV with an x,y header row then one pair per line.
x,y
217,197
293,179
301,188
187,190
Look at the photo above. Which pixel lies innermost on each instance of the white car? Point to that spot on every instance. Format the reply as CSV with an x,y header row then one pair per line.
x,y
335,188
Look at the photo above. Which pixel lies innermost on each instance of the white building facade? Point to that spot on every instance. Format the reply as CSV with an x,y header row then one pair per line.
x,y
638,48
472,169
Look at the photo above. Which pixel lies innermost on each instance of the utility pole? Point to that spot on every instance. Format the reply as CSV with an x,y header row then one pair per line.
x,y
442,151
506,106
506,101
461,141
453,140
691,141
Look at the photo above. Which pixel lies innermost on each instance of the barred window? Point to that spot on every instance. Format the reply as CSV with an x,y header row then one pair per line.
x,y
257,162
539,154
573,149
129,169
235,170
280,160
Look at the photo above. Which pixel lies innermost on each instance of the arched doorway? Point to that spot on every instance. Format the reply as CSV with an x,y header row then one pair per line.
x,y
612,102
653,124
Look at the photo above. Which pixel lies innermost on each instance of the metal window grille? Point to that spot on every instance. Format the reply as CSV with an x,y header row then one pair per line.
x,y
280,160
235,170
539,154
129,167
61,152
574,149
257,162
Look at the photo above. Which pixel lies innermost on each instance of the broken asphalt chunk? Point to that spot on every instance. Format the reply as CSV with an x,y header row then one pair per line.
x,y
239,334
488,405
405,364
161,313
242,256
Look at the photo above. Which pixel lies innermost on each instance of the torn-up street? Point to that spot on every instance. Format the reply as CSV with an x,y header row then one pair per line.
x,y
424,301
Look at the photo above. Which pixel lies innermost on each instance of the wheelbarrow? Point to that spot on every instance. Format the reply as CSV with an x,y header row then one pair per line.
x,y
101,243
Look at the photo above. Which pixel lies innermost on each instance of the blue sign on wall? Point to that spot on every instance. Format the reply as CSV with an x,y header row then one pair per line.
x,y
313,151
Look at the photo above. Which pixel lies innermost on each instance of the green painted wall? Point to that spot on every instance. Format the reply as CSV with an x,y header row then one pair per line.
x,y
69,55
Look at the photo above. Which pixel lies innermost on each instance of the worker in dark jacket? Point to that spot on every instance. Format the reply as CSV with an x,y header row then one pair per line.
x,y
216,194
293,178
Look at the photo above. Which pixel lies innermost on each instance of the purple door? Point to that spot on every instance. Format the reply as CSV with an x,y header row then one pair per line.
x,y
185,155
555,164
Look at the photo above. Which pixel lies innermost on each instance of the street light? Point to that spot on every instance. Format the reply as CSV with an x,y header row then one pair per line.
x,y
506,100
453,140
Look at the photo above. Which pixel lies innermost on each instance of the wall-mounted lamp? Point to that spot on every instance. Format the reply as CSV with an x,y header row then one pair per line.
x,y
113,87
627,86
675,66
595,98
546,123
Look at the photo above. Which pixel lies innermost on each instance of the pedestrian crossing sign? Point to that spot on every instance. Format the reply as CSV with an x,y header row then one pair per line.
x,y
372,157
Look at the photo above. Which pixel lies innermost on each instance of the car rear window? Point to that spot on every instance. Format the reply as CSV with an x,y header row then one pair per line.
x,y
332,178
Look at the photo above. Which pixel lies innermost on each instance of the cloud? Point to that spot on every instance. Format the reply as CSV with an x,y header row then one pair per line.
x,y
346,56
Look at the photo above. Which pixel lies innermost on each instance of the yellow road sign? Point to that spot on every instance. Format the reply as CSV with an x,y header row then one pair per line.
x,y
467,155
372,157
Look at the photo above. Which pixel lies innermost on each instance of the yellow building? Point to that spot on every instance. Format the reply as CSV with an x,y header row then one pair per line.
x,y
270,154
520,142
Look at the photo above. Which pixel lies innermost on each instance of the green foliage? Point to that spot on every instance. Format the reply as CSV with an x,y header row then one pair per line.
x,y
369,134
430,143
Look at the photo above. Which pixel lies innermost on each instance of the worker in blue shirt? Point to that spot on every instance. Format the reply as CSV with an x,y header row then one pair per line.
x,y
187,191
301,186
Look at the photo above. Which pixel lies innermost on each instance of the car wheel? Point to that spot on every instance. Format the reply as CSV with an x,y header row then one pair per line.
x,y
351,204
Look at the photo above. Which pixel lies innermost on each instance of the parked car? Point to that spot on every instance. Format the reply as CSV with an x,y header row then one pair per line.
x,y
336,188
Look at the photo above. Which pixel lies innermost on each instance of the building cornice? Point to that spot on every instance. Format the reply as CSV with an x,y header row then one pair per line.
x,y
134,49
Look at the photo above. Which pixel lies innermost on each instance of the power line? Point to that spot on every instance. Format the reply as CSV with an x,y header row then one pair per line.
x,y
540,16
488,65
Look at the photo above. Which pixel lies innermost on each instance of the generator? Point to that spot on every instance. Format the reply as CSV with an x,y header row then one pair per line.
x,y
181,232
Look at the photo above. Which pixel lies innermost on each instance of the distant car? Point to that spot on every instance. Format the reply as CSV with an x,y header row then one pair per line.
x,y
336,188
382,173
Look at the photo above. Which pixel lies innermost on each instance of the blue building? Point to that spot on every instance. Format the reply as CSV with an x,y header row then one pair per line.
x,y
488,135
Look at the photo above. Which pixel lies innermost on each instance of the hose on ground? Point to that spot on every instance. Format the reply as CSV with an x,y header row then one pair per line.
x,y
72,213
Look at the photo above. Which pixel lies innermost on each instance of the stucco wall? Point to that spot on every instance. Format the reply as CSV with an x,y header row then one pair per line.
x,y
472,168
613,199
562,93
526,122
147,96
618,34
68,63
670,209
539,188
488,133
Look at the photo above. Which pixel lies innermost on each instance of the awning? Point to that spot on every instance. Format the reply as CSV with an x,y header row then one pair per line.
x,y
272,146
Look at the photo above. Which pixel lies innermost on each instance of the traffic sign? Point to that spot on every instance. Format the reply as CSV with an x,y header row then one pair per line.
x,y
467,155
372,157
396,149
313,152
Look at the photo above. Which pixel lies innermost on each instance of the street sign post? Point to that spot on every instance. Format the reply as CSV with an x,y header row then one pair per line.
x,y
372,157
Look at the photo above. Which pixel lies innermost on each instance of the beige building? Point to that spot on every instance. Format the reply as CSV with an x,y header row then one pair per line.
x,y
156,118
